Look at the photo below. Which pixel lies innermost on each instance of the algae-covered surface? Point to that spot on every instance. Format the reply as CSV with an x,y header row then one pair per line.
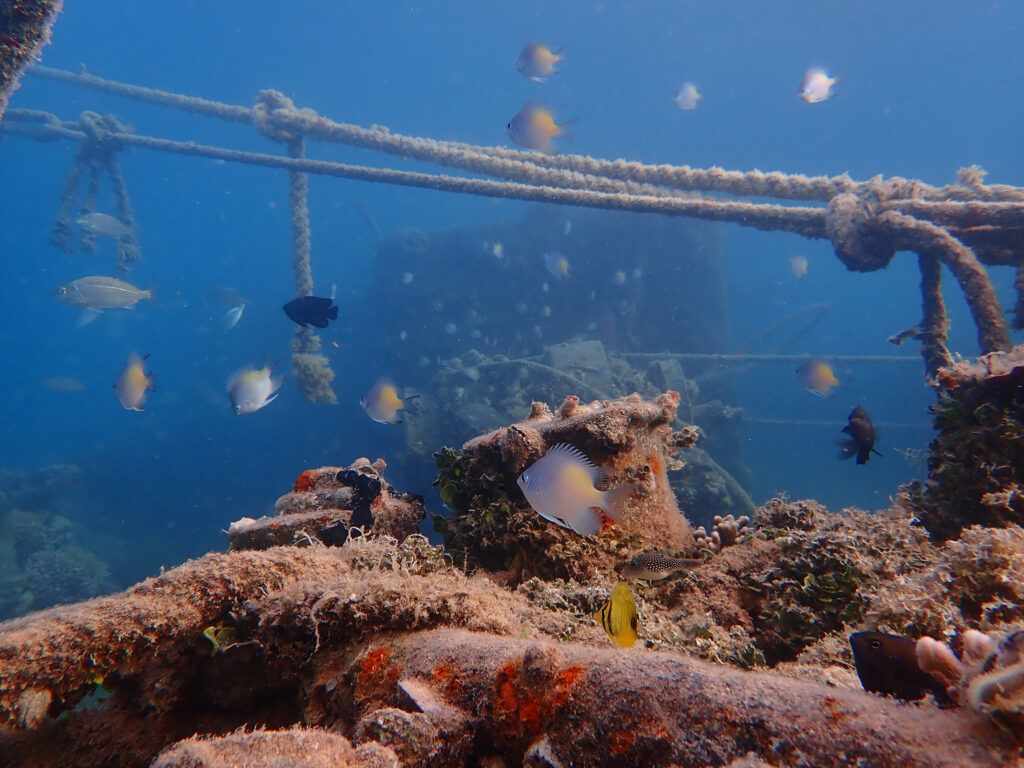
x,y
523,454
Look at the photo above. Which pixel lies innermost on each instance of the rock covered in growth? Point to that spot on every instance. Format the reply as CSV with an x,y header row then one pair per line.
x,y
496,529
976,462
326,502
303,747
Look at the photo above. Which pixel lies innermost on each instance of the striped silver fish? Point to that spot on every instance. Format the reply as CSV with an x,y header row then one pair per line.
x,y
98,293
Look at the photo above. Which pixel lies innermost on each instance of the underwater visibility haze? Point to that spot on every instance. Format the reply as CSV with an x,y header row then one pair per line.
x,y
152,400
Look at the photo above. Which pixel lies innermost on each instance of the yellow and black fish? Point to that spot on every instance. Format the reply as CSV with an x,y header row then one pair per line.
x,y
619,617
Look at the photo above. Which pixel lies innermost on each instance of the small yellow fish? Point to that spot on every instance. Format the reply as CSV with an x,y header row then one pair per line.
x,y
133,383
816,86
798,265
561,487
619,617
382,402
534,127
817,377
537,61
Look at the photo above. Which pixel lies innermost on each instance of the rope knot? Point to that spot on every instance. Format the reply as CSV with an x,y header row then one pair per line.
x,y
275,116
101,129
850,225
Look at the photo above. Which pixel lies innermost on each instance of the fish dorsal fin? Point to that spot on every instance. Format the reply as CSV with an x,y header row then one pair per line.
x,y
566,452
235,377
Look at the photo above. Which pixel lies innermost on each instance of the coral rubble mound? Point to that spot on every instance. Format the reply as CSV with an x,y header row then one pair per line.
x,y
382,649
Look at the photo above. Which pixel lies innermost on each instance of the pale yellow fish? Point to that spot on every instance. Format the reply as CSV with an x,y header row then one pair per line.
x,y
557,264
382,402
816,86
537,61
618,617
133,383
561,487
251,389
534,127
687,96
817,377
798,265
62,384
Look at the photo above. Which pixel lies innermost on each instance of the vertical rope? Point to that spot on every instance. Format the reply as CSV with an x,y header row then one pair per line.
x,y
934,328
86,237
127,246
61,234
312,371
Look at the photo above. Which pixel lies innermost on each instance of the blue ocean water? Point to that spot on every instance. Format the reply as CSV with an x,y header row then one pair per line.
x,y
923,90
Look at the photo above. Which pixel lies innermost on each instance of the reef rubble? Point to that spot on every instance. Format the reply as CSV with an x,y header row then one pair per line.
x,y
384,649
327,503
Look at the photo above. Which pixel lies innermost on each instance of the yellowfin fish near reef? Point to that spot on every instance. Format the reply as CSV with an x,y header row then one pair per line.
x,y
654,566
817,377
251,389
537,61
382,402
534,127
561,487
133,383
618,616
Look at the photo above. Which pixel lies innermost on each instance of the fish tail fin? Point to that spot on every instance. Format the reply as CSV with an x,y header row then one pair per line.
x,y
413,408
589,523
876,452
152,293
614,501
565,129
332,313
847,448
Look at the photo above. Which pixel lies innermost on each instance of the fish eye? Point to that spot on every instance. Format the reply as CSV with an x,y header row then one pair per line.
x,y
876,644
509,126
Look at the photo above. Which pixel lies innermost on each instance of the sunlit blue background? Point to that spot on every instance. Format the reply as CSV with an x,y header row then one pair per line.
x,y
925,88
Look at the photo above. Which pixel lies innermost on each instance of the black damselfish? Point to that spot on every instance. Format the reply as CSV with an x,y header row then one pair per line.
x,y
888,664
862,437
311,310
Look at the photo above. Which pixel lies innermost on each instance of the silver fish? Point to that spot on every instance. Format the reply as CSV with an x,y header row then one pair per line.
x,y
654,566
98,293
232,316
251,389
103,224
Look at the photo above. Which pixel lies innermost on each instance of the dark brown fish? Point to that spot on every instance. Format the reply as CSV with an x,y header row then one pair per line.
x,y
887,664
862,437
